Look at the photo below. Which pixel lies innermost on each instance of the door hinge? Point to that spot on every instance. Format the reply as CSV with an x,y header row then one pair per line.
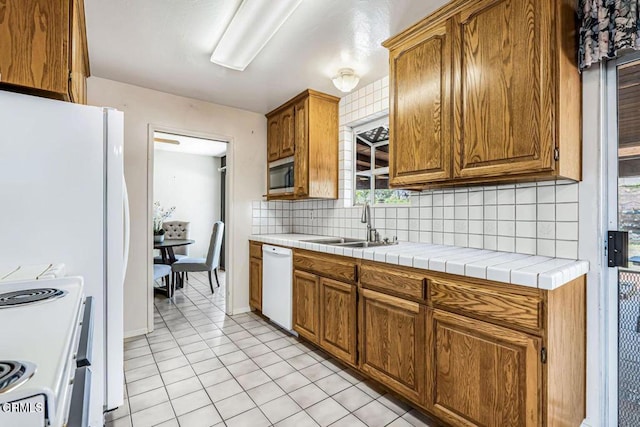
x,y
543,355
70,75
556,154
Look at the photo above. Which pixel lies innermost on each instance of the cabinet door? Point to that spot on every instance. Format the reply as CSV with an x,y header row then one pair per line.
x,y
392,342
306,321
273,138
301,164
79,55
34,35
503,120
287,134
420,138
338,319
480,374
255,283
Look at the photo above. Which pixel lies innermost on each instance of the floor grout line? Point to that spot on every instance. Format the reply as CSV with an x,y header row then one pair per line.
x,y
194,314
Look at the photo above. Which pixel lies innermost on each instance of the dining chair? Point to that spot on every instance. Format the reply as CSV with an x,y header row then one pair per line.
x,y
162,272
175,230
209,264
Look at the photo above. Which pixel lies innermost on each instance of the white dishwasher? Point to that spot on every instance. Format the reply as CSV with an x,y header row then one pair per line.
x,y
277,291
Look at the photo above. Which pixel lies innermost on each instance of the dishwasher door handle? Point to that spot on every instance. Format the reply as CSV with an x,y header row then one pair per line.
x,y
280,254
273,250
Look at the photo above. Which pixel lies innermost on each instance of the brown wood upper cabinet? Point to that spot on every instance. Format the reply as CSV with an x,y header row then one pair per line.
x,y
486,91
306,127
420,143
44,48
281,137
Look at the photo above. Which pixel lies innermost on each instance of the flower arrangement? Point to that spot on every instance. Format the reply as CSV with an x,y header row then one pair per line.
x,y
159,216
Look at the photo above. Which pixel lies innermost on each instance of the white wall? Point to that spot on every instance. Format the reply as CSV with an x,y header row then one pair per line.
x,y
246,132
191,183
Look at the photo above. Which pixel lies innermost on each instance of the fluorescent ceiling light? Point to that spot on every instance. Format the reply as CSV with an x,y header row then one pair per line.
x,y
250,29
167,141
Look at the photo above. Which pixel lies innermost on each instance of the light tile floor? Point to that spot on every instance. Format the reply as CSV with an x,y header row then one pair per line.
x,y
200,367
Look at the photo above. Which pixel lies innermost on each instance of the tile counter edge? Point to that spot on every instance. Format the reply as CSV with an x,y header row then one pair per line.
x,y
518,269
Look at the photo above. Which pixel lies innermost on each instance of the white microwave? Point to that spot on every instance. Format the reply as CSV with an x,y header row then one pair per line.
x,y
281,176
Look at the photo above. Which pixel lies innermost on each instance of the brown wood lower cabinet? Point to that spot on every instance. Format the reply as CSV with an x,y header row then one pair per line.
x,y
255,275
255,283
481,374
306,293
392,342
338,326
324,312
470,352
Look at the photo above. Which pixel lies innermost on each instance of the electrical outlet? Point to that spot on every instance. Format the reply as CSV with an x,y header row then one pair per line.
x,y
311,215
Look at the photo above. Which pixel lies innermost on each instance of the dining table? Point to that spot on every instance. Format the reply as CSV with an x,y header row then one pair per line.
x,y
166,248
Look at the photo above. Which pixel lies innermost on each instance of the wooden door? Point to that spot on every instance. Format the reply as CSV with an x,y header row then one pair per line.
x,y
420,134
480,374
34,35
338,319
301,163
392,342
306,319
273,138
255,283
287,134
503,74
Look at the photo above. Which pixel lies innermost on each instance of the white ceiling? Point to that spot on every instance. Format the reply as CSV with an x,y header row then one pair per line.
x,y
189,145
166,45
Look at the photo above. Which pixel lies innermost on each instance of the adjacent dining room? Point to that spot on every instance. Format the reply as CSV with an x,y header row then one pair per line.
x,y
189,215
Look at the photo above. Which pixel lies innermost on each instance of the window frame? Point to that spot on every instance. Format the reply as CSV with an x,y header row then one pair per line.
x,y
373,171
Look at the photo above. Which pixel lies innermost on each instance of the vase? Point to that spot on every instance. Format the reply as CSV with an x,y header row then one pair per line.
x,y
158,238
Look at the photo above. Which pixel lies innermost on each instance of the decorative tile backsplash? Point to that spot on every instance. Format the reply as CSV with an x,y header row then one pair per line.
x,y
533,218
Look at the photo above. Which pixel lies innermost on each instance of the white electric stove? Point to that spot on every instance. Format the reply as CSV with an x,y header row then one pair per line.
x,y
44,340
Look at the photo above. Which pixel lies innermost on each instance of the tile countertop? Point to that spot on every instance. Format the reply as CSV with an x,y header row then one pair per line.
x,y
518,269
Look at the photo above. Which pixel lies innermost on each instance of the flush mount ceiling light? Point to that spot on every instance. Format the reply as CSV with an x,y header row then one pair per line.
x,y
346,80
250,29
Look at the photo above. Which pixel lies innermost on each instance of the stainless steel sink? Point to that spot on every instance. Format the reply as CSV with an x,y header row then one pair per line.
x,y
334,241
347,242
363,244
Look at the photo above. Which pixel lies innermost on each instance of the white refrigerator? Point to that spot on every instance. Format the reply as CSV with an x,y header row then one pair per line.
x,y
63,200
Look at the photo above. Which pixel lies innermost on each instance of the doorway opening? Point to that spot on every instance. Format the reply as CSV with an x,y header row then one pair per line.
x,y
188,203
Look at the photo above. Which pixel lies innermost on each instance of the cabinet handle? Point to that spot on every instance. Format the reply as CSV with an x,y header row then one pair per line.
x,y
355,273
425,283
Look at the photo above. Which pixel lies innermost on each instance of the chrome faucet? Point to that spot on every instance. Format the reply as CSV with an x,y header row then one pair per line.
x,y
372,233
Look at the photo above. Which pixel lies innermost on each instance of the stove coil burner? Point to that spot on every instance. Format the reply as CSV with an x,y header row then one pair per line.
x,y
27,296
13,373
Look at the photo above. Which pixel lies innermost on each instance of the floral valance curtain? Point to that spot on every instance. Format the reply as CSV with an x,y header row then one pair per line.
x,y
606,28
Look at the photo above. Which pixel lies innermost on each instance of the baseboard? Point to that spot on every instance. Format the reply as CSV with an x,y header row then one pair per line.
x,y
241,310
135,333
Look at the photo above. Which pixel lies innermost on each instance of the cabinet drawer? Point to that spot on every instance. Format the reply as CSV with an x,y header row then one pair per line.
x,y
335,267
493,304
394,280
255,250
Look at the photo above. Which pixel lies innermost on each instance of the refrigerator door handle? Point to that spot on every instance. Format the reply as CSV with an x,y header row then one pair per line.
x,y
127,226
